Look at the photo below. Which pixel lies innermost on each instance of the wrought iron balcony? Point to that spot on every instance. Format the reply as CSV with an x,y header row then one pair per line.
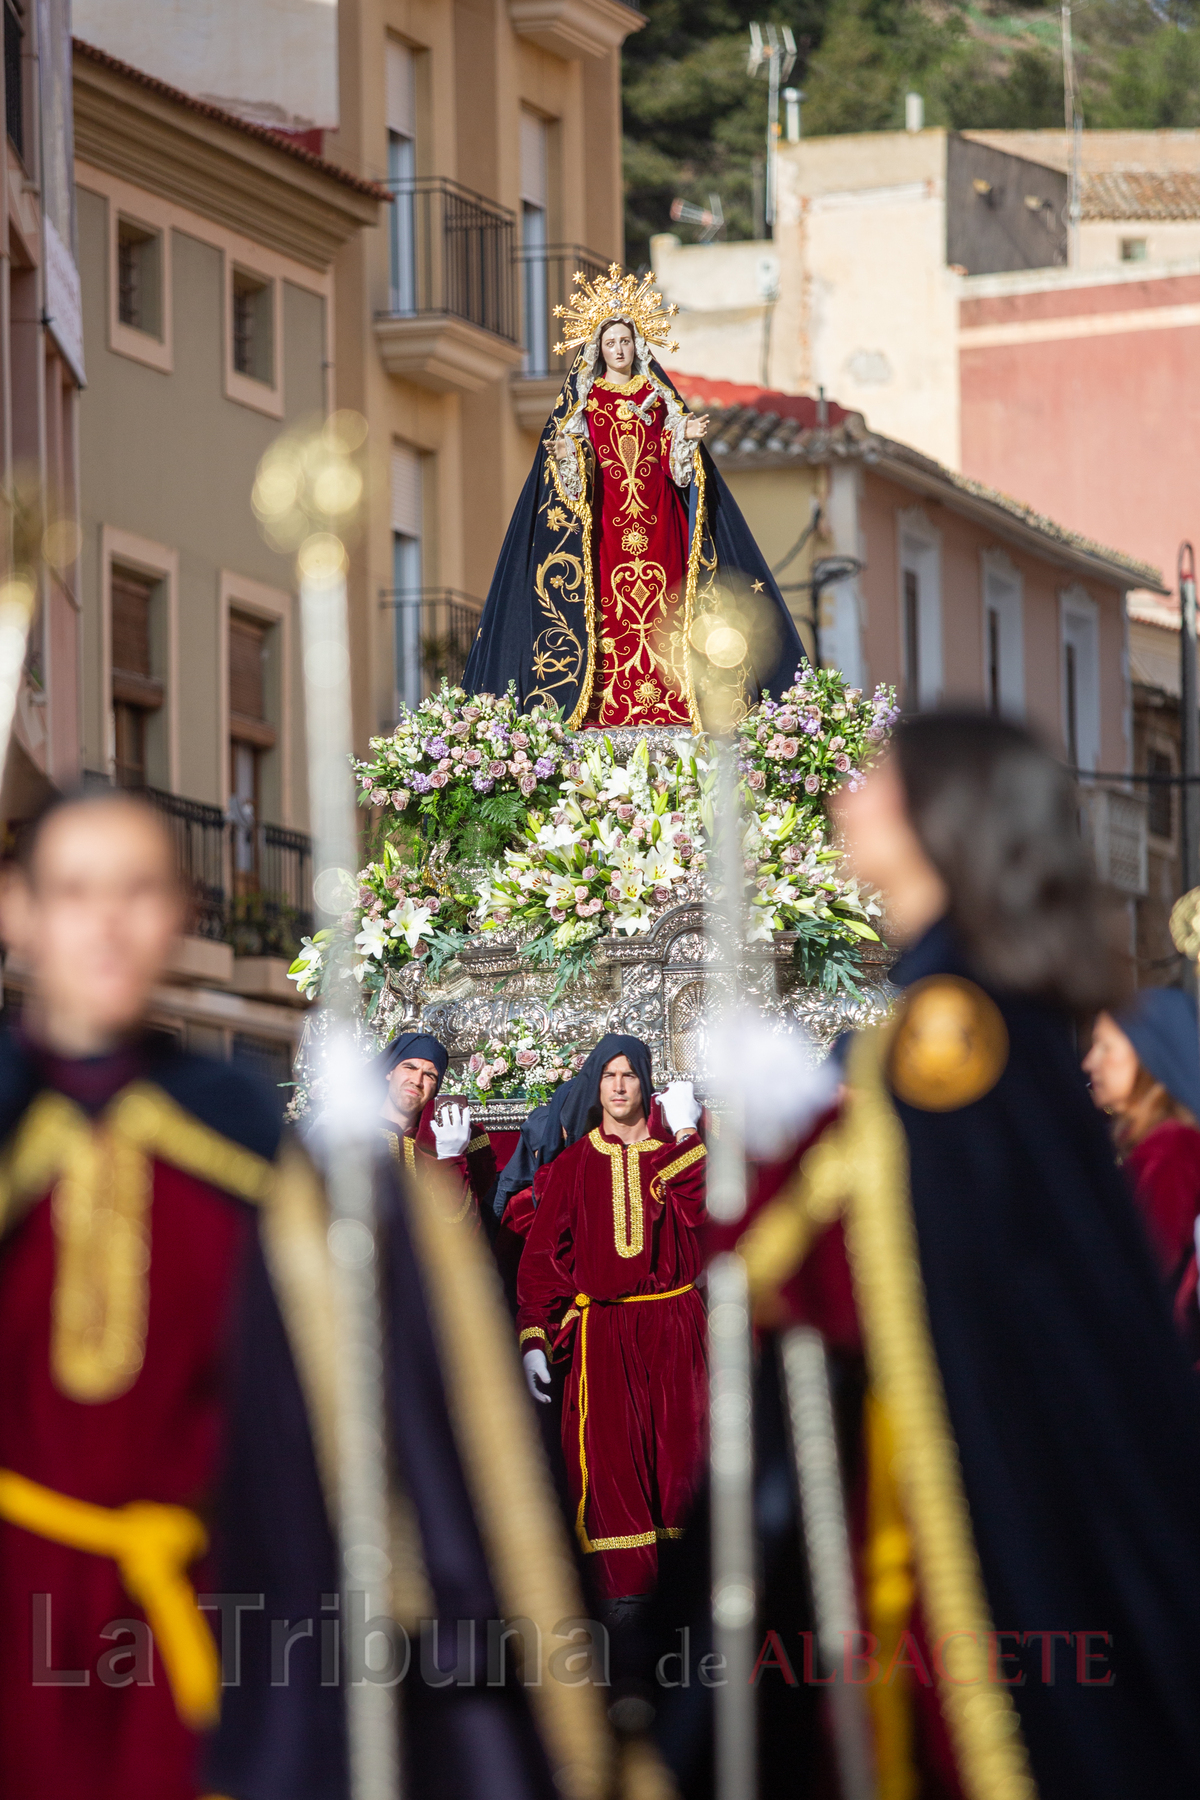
x,y
547,281
248,885
433,633
452,319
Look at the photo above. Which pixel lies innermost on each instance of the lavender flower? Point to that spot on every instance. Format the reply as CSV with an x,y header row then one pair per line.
x,y
483,784
543,767
421,783
437,748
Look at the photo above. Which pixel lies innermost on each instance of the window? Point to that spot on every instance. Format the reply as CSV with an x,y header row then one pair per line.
x,y
1003,636
402,170
139,278
253,327
1133,249
251,736
1080,679
912,639
1160,810
137,693
534,236
920,611
14,75
407,573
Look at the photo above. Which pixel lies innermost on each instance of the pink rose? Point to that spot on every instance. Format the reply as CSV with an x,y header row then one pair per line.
x,y
557,914
661,895
526,1059
476,1063
790,747
842,764
471,713
582,910
483,1080
472,758
581,893
365,896
571,771
401,798
624,813
757,779
812,784
378,796
496,769
528,784
438,779
444,764
520,741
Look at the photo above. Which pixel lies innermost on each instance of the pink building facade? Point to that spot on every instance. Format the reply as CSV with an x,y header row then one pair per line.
x,y
1079,395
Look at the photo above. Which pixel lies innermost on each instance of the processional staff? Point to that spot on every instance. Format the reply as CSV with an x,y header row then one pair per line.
x,y
307,495
721,639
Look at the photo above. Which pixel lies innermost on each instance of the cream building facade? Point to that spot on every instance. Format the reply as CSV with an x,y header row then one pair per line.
x,y
206,249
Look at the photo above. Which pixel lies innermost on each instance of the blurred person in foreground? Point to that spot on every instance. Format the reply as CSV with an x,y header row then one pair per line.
x,y
1030,1441
415,1129
169,1344
130,1175
1144,1067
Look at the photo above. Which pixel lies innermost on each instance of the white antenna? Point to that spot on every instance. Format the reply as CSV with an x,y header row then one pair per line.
x,y
772,47
1074,120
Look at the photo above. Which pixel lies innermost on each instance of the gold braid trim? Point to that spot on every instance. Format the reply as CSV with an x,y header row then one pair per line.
x,y
693,575
506,1472
780,1238
482,1142
881,1239
164,1130
696,1154
583,511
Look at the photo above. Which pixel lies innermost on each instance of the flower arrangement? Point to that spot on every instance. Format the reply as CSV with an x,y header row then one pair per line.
x,y
519,1066
491,819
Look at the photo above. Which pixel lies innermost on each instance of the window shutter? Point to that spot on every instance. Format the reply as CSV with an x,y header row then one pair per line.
x,y
401,90
131,596
246,687
534,181
406,490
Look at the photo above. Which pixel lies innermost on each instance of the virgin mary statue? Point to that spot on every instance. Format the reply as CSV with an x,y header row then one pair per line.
x,y
627,554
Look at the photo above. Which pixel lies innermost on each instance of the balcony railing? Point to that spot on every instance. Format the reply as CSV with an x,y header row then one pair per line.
x,y
547,281
452,252
433,633
1114,824
249,886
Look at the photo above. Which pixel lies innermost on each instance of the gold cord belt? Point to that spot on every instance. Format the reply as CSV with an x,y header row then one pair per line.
x,y
585,1303
152,1546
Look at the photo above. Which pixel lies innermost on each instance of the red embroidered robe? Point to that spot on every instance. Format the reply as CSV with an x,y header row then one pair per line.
x,y
79,1716
614,1240
640,539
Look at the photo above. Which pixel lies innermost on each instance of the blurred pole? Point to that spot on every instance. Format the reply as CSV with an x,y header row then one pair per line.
x,y
371,1707
827,1548
729,1344
1189,723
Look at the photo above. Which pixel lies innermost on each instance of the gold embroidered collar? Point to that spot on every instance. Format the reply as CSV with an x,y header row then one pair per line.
x,y
620,387
629,1215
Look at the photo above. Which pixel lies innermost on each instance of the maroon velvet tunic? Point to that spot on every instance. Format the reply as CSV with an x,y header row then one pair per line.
x,y
94,1732
616,1229
475,1168
1164,1170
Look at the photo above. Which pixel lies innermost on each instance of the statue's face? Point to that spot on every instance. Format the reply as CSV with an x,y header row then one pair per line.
x,y
616,347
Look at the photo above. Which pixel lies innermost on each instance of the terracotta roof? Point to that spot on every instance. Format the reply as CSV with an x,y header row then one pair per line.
x,y
755,426
277,140
1141,194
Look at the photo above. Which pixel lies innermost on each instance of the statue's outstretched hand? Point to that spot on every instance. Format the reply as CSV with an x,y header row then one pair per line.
x,y
561,447
537,1374
696,427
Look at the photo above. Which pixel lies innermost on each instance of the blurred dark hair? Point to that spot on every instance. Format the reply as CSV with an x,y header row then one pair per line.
x,y
998,818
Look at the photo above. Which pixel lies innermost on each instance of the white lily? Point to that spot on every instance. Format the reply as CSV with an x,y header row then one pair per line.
x,y
411,922
372,940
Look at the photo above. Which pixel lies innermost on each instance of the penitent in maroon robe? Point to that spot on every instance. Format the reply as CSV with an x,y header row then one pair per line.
x,y
81,1716
610,1264
640,527
475,1168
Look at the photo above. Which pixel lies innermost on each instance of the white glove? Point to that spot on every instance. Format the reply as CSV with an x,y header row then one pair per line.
x,y
537,1374
679,1106
452,1131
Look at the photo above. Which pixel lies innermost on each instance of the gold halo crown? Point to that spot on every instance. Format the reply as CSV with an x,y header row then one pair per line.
x,y
614,296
